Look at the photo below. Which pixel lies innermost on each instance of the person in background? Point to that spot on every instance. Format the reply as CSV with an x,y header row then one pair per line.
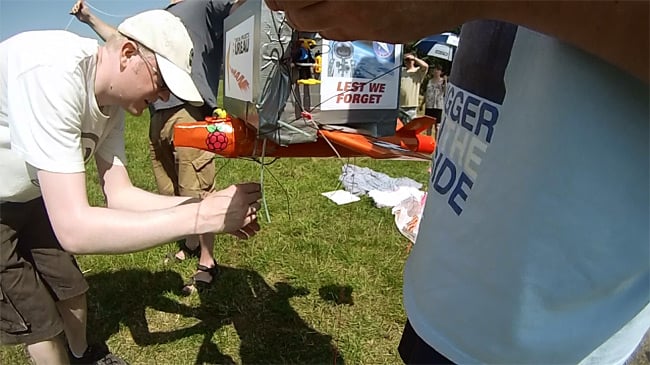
x,y
434,97
533,246
62,102
413,74
185,171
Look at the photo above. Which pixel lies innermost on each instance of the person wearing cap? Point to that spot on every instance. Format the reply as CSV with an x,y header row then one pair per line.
x,y
185,171
62,102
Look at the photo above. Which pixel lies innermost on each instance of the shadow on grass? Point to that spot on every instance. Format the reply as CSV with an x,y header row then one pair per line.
x,y
336,294
269,329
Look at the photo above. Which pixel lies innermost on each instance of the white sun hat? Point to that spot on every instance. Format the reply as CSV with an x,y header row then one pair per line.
x,y
164,34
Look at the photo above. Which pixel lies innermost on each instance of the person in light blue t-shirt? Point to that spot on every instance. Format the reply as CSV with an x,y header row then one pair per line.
x,y
534,242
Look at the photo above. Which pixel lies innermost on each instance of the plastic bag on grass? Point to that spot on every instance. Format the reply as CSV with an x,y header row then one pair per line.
x,y
408,214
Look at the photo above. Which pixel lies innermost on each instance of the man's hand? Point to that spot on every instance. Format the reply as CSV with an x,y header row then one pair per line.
x,y
232,210
81,11
367,20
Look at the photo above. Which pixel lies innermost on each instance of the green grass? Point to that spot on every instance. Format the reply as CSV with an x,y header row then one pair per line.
x,y
320,283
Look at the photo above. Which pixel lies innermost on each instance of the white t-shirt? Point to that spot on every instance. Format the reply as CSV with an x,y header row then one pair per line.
x,y
534,244
49,117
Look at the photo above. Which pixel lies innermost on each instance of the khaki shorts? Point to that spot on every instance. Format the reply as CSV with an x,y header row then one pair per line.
x,y
35,273
179,171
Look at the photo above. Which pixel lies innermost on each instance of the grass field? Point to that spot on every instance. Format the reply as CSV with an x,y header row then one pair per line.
x,y
320,283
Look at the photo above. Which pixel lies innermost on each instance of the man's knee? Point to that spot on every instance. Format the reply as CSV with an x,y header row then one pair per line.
x,y
52,351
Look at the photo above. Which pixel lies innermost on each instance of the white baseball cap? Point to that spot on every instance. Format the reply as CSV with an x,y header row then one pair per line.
x,y
164,34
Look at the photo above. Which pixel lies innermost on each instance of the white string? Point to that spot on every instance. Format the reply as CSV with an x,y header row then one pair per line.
x,y
266,207
105,13
97,10
69,22
331,146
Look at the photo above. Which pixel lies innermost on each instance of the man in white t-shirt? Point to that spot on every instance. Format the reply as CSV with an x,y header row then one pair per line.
x,y
534,242
62,102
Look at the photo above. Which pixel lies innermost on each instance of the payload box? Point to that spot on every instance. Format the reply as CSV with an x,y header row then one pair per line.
x,y
284,83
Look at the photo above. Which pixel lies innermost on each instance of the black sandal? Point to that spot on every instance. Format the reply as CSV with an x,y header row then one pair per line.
x,y
199,285
182,246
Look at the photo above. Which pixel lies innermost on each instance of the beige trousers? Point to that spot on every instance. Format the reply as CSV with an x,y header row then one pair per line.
x,y
179,171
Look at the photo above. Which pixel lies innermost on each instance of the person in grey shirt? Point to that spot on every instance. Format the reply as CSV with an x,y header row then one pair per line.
x,y
185,171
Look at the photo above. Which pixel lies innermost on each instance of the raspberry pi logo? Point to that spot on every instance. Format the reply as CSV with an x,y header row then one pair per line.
x,y
217,139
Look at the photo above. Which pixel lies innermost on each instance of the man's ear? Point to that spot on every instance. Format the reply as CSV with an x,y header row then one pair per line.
x,y
128,50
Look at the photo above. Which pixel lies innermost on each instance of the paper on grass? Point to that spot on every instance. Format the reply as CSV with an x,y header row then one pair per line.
x,y
341,197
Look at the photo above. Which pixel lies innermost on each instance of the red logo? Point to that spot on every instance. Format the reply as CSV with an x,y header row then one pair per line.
x,y
217,139
240,78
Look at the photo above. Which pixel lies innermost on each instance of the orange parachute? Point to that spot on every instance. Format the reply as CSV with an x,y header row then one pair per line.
x,y
232,137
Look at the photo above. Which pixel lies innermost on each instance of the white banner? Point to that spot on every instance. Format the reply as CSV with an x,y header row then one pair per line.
x,y
360,75
238,64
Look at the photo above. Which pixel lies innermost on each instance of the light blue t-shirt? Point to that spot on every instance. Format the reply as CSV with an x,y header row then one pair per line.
x,y
534,245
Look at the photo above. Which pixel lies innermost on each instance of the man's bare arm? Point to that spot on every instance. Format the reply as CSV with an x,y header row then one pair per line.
x,y
121,194
422,64
616,31
83,229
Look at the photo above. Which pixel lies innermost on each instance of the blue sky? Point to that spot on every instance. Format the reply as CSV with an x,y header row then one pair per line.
x,y
22,15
